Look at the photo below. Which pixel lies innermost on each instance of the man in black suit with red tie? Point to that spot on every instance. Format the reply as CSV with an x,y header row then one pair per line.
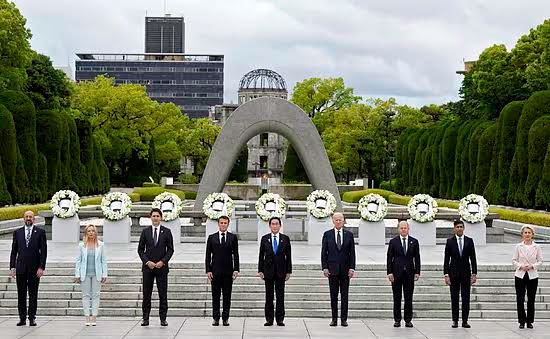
x,y
155,249
338,263
275,267
222,267
403,267
460,269
27,265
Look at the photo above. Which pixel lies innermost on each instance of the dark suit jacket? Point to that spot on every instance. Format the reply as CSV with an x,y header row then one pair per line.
x,y
149,252
30,258
338,261
455,265
275,264
403,264
222,259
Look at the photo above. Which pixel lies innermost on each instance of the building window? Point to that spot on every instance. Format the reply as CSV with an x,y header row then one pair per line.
x,y
264,139
263,161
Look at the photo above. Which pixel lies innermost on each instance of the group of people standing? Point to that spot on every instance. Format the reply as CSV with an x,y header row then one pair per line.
x,y
155,248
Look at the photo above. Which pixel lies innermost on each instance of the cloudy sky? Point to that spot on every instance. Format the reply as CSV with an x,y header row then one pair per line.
x,y
405,49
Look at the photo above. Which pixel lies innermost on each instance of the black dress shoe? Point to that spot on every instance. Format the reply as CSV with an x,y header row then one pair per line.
x,y
163,323
409,324
280,323
226,322
268,323
216,322
32,322
22,323
397,324
344,323
522,326
455,324
145,322
466,325
333,323
529,325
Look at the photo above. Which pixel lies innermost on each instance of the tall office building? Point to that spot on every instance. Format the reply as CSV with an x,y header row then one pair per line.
x,y
164,34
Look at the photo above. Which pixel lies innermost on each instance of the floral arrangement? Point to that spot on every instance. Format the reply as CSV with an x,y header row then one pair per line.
x,y
321,204
116,206
422,215
61,207
270,199
167,199
373,207
218,204
471,213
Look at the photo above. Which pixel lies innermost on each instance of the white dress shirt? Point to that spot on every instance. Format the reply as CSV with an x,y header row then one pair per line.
x,y
406,242
220,236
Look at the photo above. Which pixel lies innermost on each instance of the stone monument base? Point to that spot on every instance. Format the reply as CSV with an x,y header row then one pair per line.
x,y
372,232
424,232
477,231
316,228
117,232
175,228
66,229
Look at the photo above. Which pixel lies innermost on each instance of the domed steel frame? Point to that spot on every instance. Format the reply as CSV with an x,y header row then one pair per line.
x,y
263,79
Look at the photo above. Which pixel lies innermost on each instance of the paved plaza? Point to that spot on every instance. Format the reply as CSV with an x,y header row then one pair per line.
x,y
253,328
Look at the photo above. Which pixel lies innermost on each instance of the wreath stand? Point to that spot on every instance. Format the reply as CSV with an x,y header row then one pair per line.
x,y
117,231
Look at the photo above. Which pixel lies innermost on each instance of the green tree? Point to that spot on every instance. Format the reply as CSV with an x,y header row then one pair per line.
x,y
542,198
23,188
539,137
293,170
463,136
485,151
436,154
446,161
239,172
5,196
8,151
473,148
15,50
49,138
196,142
48,87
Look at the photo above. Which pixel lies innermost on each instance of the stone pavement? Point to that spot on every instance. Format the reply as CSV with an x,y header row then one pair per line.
x,y
72,327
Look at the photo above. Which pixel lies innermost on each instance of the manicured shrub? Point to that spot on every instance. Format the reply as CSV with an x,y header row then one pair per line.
x,y
461,144
239,172
24,117
426,169
78,171
65,177
539,136
5,197
418,155
400,156
466,175
85,138
294,169
42,177
446,160
412,145
388,185
355,196
542,198
8,149
514,182
536,106
436,153
484,155
150,184
149,193
23,190
49,138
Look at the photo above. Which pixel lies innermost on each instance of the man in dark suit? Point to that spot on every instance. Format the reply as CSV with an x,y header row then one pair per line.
x,y
222,267
403,266
338,263
27,265
275,267
155,249
460,269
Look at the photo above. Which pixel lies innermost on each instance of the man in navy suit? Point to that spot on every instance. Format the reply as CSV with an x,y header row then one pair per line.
x,y
155,248
338,263
27,265
275,267
403,268
460,269
222,267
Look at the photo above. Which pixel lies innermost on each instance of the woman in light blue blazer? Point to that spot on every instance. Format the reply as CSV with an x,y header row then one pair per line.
x,y
90,272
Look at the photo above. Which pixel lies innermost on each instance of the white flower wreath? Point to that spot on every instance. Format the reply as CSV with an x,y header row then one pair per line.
x,y
170,205
65,204
218,204
270,205
373,207
422,208
116,206
321,204
473,208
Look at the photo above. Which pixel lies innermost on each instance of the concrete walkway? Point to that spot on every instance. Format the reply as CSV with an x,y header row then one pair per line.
x,y
253,328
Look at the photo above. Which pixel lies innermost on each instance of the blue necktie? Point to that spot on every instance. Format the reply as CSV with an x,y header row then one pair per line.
x,y
275,244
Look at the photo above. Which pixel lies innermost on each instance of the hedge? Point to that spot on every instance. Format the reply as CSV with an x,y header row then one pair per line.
x,y
539,137
8,149
436,153
24,192
49,138
388,185
462,144
536,106
355,196
42,176
412,146
65,177
149,193
509,121
150,184
24,118
5,196
78,170
514,181
542,198
84,130
484,153
416,178
402,179
446,160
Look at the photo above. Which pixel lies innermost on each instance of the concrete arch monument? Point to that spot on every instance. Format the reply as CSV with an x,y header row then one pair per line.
x,y
267,115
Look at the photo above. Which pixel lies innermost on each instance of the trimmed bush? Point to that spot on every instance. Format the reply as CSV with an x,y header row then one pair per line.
x,y
446,160
65,178
484,154
149,193
42,176
5,197
150,184
49,136
412,145
24,194
8,150
388,185
78,171
355,196
542,198
398,199
402,180
514,182
436,153
84,131
24,118
426,170
539,136
462,144
536,106
239,172
188,179
418,156
190,195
